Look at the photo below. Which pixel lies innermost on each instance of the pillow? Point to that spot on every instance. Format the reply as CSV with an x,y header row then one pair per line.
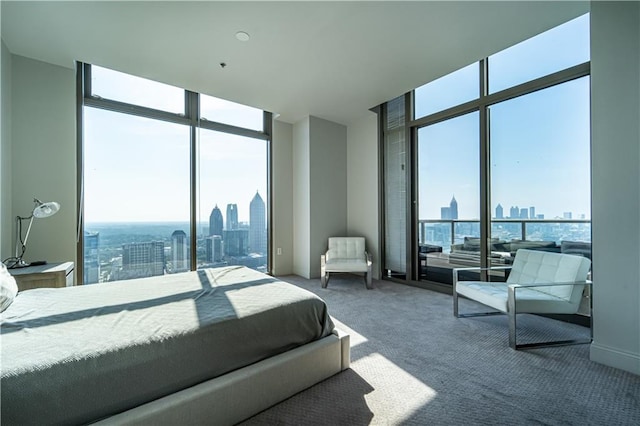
x,y
8,288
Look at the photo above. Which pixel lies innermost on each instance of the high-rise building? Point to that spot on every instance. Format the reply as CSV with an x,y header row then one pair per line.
x,y
514,212
214,248
524,213
445,213
567,215
532,212
453,208
236,242
216,223
91,272
232,216
179,253
142,259
499,212
257,225
451,212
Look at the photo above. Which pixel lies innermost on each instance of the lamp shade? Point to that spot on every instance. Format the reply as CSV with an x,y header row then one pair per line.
x,y
46,209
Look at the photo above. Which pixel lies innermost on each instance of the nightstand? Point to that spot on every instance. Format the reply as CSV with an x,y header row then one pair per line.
x,y
49,275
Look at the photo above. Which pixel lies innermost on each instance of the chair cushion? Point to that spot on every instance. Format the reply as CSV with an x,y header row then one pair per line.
x,y
527,300
346,265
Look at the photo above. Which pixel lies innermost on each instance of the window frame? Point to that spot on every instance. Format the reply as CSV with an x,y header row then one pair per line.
x,y
190,117
413,124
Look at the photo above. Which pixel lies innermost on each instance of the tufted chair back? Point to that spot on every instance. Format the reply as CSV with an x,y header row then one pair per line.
x,y
346,248
535,266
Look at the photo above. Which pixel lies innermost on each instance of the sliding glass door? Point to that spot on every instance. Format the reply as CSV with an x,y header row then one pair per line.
x,y
499,160
448,197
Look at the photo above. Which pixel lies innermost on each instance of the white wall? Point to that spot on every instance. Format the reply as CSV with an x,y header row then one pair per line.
x,y
6,215
328,186
44,154
282,198
615,110
362,184
301,198
319,190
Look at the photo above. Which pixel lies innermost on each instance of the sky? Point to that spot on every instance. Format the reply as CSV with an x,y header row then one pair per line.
x,y
137,169
540,143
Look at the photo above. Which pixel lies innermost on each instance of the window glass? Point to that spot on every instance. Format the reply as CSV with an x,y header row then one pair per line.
x,y
232,200
540,167
453,89
448,179
227,112
554,50
117,86
136,196
448,196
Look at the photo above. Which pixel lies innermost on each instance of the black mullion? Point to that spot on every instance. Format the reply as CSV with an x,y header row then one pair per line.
x,y
192,112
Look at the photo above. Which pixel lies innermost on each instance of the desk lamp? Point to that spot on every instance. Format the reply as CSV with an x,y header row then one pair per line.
x,y
40,210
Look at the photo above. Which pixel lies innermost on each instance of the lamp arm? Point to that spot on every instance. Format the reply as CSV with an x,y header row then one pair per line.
x,y
26,237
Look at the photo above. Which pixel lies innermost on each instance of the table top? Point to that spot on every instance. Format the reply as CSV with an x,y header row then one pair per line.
x,y
65,267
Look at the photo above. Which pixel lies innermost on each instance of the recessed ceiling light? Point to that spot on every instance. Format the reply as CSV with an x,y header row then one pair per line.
x,y
242,36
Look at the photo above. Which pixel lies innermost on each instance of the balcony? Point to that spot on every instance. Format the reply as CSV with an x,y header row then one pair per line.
x,y
447,244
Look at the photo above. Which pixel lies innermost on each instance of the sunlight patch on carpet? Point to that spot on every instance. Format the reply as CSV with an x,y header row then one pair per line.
x,y
391,385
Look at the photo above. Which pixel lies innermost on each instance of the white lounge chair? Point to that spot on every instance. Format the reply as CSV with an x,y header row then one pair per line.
x,y
540,283
345,254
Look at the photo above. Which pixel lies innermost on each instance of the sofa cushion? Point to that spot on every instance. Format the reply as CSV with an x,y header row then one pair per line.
x,y
579,248
473,244
516,245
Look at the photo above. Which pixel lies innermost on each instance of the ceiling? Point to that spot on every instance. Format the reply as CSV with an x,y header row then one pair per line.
x,y
333,60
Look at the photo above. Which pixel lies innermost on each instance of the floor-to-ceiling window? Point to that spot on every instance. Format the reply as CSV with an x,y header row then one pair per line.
x,y
448,171
170,180
498,159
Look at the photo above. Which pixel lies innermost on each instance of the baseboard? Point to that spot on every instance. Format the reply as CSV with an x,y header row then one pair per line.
x,y
616,358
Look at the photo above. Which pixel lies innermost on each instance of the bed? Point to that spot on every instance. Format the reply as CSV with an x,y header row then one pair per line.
x,y
211,346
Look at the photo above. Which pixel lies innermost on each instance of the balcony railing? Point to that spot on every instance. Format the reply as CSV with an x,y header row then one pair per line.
x,y
444,233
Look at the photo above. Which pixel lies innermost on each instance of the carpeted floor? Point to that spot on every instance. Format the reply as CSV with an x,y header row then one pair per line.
x,y
414,363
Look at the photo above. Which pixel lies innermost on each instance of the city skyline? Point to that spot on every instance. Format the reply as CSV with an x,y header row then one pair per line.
x,y
515,212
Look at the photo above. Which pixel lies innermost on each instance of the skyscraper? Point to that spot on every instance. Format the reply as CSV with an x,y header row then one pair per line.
x,y
91,257
453,208
216,223
179,256
257,225
524,213
214,248
236,242
499,212
232,216
532,212
514,212
450,212
142,259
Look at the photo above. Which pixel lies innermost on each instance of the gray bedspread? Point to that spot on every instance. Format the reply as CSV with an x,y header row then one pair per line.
x,y
77,354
